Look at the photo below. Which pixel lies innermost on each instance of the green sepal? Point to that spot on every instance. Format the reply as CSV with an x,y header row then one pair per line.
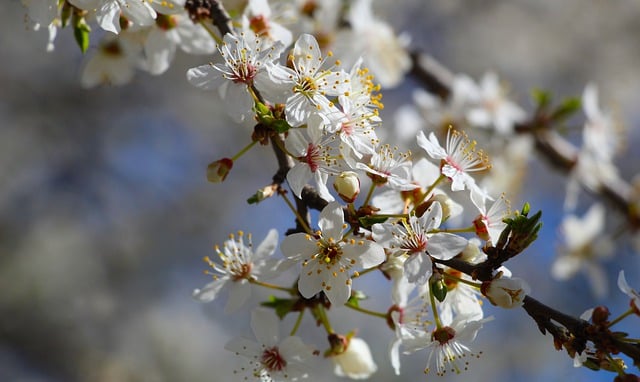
x,y
566,109
282,306
541,97
265,116
81,31
65,14
368,221
356,297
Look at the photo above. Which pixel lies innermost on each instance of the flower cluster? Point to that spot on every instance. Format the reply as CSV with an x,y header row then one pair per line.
x,y
431,221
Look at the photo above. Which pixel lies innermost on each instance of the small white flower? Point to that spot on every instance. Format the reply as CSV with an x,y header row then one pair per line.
x,y
387,168
114,62
259,18
448,345
585,244
315,158
414,238
239,265
272,359
108,12
458,158
305,87
492,108
356,361
244,57
327,258
489,224
383,51
505,292
169,33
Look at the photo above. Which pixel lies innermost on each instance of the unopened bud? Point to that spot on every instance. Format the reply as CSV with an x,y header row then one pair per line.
x,y
217,171
600,315
505,292
355,361
347,184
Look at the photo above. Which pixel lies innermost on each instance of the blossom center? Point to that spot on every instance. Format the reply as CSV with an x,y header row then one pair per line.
x,y
414,242
331,253
306,86
311,157
443,335
272,360
241,271
259,25
244,72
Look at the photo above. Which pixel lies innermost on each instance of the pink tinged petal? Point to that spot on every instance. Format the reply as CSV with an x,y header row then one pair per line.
x,y
331,221
418,268
298,247
338,289
245,347
205,77
298,177
268,246
444,246
108,17
239,292
310,281
264,324
210,291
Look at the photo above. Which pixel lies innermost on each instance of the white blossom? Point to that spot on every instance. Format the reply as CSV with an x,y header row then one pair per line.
x,y
327,259
239,264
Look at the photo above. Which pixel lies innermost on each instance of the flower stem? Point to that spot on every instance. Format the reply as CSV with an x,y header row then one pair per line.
x,y
211,33
436,317
321,315
297,324
454,230
303,223
621,317
358,274
244,150
366,311
369,194
430,189
461,280
272,286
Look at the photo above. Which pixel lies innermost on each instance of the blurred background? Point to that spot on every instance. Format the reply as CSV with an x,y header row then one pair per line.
x,y
105,211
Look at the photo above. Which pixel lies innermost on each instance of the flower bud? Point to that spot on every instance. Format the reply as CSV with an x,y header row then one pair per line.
x,y
356,361
505,292
347,185
217,171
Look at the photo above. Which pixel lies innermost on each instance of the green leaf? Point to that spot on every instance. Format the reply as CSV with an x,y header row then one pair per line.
x,y
567,108
368,221
356,297
541,97
81,31
282,306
